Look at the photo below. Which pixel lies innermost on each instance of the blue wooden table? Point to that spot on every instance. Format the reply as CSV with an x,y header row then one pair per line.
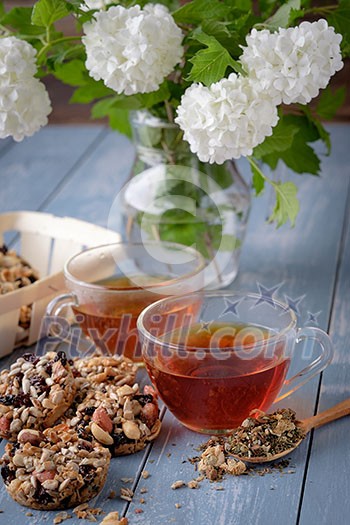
x,y
77,171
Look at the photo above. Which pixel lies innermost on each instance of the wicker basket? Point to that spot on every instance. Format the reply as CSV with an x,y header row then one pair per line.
x,y
46,242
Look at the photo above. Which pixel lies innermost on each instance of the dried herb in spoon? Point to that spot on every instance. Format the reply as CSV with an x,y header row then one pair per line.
x,y
265,435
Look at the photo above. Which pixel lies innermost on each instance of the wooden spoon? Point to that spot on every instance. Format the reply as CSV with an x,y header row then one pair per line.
x,y
340,410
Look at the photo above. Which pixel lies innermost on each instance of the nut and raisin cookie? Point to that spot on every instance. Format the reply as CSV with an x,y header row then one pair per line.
x,y
55,469
34,393
94,371
121,418
96,368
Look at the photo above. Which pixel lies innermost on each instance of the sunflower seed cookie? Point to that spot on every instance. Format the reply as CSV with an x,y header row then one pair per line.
x,y
55,469
34,393
120,418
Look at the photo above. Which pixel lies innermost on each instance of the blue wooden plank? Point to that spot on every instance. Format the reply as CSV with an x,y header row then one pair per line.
x,y
90,193
244,499
31,170
303,260
330,457
6,144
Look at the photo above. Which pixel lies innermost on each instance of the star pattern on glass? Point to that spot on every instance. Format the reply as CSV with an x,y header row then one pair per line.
x,y
266,294
204,326
231,307
313,317
294,303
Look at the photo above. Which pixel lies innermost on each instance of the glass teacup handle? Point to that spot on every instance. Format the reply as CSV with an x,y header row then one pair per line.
x,y
54,310
316,366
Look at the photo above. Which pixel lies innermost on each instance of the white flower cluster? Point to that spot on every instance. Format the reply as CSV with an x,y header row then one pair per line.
x,y
227,119
132,50
24,102
231,117
95,4
293,64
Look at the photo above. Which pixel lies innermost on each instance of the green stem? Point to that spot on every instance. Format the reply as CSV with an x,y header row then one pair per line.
x,y
169,112
261,173
48,45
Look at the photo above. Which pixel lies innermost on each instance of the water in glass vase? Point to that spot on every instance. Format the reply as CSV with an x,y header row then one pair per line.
x,y
172,196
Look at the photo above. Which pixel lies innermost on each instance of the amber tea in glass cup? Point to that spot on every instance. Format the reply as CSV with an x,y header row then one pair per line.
x,y
228,357
110,285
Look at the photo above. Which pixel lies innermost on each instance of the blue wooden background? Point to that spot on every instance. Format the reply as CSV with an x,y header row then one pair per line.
x,y
77,171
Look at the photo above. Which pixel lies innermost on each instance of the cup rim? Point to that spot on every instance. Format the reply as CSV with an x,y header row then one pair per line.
x,y
215,293
97,287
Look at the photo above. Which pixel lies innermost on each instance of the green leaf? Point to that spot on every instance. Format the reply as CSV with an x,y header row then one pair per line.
x,y
220,30
227,243
329,102
72,73
118,116
266,7
340,20
183,233
282,16
102,108
300,157
198,10
280,140
218,173
20,18
89,92
294,15
243,5
258,180
304,124
46,12
147,100
210,64
287,204
320,132
119,121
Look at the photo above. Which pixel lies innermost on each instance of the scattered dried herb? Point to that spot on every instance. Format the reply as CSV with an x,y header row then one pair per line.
x,y
265,435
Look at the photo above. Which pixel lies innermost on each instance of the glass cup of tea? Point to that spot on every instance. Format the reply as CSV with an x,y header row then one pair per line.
x,y
228,356
110,285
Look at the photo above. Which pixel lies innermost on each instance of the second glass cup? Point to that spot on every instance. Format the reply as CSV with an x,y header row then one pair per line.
x,y
110,285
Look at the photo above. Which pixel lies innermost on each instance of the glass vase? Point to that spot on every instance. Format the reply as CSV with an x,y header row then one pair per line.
x,y
172,196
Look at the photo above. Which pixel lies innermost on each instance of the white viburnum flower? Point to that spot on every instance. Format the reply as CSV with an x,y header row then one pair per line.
x,y
96,4
227,119
17,60
132,50
24,107
293,64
